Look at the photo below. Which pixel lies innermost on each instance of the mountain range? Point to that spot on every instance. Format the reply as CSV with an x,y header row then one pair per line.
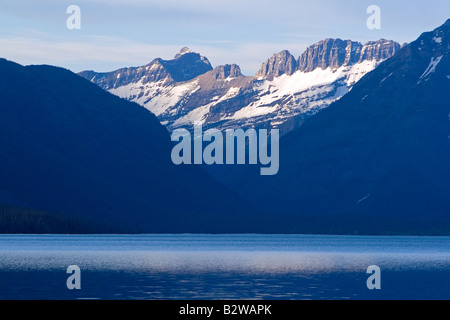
x,y
366,146
282,94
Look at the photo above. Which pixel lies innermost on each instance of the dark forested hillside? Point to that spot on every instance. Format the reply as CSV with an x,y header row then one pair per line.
x,y
381,153
68,146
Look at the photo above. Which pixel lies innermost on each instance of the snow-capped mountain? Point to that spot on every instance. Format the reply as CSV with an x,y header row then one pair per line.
x,y
376,159
281,95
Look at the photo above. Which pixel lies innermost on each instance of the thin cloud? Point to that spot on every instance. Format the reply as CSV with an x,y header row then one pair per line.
x,y
117,33
116,52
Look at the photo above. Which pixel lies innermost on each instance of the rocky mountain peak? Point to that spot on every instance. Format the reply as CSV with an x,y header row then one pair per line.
x,y
332,53
183,51
335,53
188,89
227,71
279,64
185,66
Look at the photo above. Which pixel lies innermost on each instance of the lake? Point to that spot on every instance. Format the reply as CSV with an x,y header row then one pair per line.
x,y
266,267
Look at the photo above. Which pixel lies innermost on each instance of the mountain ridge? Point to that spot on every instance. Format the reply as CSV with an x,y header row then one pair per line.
x,y
185,66
70,148
282,94
380,152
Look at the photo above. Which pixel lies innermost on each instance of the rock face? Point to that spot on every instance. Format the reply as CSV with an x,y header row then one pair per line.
x,y
279,64
281,95
226,72
335,53
332,53
378,50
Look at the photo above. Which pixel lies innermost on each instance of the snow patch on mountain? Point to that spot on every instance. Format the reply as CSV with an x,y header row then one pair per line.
x,y
195,116
386,78
253,110
306,90
431,68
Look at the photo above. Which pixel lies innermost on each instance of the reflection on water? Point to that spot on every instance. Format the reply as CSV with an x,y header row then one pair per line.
x,y
224,266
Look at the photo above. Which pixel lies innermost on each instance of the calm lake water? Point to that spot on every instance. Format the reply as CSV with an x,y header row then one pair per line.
x,y
223,267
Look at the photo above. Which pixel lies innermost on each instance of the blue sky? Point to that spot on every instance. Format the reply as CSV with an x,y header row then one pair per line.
x,y
117,33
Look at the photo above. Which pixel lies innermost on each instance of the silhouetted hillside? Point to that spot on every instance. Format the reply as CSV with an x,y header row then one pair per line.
x,y
70,147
